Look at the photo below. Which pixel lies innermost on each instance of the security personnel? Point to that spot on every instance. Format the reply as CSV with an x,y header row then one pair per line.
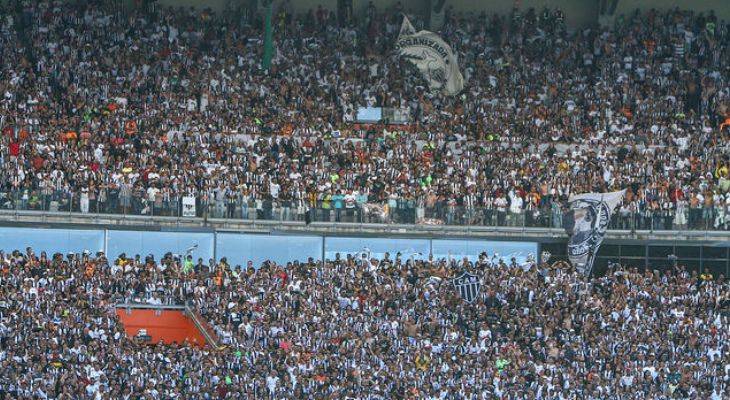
x,y
706,276
223,264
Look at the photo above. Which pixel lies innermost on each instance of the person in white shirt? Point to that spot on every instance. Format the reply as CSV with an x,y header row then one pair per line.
x,y
501,204
350,203
274,188
272,381
515,207
152,193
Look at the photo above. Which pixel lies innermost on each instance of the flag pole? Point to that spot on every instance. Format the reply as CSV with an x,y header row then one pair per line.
x,y
266,62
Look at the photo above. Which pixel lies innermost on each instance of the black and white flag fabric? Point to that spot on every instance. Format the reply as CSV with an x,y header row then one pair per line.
x,y
377,211
468,285
434,59
586,223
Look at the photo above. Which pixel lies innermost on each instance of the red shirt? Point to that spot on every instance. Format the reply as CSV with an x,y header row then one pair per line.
x,y
14,149
37,162
284,278
222,390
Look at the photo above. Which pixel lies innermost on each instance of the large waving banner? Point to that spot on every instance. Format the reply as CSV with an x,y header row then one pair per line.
x,y
433,58
586,222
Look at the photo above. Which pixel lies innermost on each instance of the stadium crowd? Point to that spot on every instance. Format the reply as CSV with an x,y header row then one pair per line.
x,y
356,327
116,111
111,110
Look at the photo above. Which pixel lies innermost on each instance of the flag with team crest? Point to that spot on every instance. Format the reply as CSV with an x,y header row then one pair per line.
x,y
468,286
586,223
434,59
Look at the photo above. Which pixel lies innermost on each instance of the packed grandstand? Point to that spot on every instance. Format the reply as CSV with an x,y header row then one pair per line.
x,y
112,110
352,328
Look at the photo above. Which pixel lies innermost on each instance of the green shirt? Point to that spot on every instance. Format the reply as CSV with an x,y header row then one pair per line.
x,y
326,201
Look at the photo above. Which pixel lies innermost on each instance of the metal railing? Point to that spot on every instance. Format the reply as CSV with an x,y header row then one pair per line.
x,y
141,207
202,326
146,306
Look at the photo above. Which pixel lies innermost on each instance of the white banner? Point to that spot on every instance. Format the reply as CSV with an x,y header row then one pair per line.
x,y
429,221
586,223
377,211
433,58
188,206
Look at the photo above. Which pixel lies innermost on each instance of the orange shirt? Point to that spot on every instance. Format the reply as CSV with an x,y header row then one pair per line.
x,y
131,127
90,269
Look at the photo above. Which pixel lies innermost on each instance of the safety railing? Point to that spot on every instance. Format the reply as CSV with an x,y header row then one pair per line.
x,y
201,325
147,306
345,209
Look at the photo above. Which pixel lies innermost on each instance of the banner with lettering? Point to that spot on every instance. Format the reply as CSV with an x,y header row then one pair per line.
x,y
434,59
188,206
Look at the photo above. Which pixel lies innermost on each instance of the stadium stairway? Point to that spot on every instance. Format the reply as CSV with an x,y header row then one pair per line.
x,y
152,324
22,21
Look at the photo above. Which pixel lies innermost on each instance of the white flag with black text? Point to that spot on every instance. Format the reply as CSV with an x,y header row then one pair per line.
x,y
433,57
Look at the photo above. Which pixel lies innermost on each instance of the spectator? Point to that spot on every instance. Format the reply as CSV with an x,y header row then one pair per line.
x,y
190,125
280,337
